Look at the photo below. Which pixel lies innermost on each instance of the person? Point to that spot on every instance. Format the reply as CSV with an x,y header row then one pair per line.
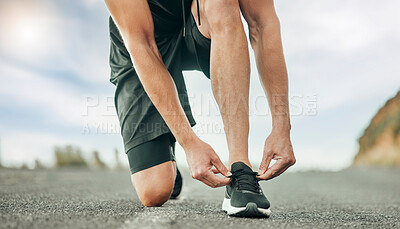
x,y
152,42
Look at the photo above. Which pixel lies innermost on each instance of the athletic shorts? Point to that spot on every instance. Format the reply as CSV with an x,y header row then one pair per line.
x,y
182,47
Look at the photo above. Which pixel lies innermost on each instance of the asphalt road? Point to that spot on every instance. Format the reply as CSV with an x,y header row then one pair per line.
x,y
355,197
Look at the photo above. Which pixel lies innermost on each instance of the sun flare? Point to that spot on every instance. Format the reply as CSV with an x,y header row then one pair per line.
x,y
28,33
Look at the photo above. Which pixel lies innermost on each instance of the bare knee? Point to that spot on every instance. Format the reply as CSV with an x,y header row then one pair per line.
x,y
223,16
154,185
155,196
259,26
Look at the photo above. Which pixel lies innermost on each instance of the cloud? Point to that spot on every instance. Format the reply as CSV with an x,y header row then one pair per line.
x,y
343,52
337,26
57,102
32,91
50,35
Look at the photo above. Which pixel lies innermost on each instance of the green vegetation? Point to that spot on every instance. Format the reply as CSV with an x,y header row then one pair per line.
x,y
98,163
69,156
72,156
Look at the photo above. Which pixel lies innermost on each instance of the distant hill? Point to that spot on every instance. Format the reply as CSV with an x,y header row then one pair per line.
x,y
380,143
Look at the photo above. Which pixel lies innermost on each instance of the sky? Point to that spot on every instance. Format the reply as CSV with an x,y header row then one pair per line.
x,y
342,59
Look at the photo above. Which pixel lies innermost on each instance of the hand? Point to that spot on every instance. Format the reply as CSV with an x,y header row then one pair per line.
x,y
277,147
201,159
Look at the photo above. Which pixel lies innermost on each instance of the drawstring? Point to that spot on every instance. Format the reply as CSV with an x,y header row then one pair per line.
x,y
184,18
198,11
184,15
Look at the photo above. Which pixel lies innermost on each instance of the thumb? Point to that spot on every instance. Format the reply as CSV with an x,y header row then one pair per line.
x,y
221,167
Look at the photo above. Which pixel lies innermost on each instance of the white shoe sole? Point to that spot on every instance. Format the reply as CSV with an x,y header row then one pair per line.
x,y
251,210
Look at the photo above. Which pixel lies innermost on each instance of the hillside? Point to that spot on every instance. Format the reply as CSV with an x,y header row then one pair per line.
x,y
380,143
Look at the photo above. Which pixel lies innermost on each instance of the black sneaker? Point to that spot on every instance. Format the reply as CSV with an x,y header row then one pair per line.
x,y
244,197
177,185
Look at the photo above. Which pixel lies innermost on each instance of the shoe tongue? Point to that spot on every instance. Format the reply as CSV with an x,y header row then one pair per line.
x,y
240,166
245,177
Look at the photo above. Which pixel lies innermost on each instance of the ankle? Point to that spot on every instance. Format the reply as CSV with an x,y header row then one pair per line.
x,y
244,160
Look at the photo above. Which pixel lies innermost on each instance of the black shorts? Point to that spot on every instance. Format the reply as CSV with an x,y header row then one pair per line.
x,y
139,120
152,153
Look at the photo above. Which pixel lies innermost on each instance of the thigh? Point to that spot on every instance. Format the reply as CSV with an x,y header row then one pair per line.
x,y
198,40
208,13
257,11
151,153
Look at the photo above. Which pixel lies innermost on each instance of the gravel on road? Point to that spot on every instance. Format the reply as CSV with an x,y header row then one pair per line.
x,y
76,198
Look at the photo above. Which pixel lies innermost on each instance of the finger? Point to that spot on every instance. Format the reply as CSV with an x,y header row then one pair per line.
x,y
215,171
214,185
278,168
220,167
207,182
266,161
218,181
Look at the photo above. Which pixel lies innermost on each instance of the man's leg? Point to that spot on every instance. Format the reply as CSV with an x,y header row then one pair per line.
x,y
230,70
154,185
230,73
266,41
153,170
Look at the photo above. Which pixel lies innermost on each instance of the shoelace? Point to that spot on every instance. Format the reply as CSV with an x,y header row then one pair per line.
x,y
246,180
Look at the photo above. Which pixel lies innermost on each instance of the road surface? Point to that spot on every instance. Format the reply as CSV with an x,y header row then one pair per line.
x,y
73,198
